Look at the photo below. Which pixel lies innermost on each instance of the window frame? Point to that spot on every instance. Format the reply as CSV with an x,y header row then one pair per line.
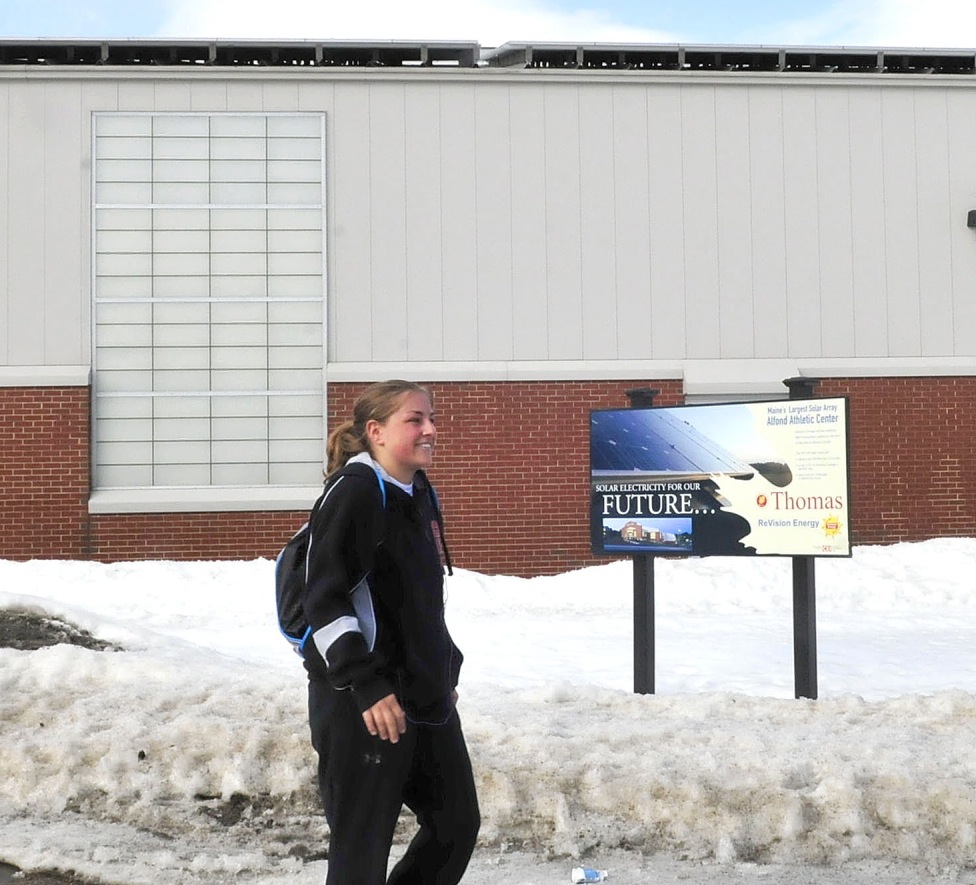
x,y
116,496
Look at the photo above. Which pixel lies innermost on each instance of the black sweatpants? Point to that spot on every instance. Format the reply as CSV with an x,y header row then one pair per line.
x,y
365,782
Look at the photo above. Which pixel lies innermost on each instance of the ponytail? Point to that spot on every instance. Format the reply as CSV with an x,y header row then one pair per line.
x,y
343,443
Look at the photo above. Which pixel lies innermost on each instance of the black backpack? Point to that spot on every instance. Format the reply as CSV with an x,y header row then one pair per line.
x,y
291,572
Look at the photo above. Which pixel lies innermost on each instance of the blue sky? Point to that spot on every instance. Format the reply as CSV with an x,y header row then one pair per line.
x,y
891,23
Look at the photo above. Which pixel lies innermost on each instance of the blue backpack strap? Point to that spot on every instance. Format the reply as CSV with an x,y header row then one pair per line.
x,y
379,479
359,467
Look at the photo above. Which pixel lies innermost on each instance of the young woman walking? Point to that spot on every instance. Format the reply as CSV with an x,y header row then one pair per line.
x,y
382,666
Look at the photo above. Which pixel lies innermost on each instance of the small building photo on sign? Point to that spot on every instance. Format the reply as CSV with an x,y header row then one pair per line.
x,y
759,478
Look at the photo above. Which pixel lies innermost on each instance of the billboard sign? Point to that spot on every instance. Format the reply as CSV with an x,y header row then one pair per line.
x,y
759,478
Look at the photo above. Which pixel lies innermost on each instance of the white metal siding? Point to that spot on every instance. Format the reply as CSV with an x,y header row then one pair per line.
x,y
455,180
349,220
26,312
46,309
598,261
6,289
489,167
499,217
423,274
961,163
663,321
526,245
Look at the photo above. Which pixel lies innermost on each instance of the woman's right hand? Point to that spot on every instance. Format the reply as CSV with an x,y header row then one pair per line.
x,y
386,719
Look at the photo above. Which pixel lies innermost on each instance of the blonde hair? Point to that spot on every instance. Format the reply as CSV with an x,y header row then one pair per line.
x,y
376,403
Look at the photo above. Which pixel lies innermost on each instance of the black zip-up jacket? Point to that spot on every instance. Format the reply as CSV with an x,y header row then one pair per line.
x,y
375,595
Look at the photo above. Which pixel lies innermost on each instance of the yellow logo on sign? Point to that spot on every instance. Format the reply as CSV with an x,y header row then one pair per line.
x,y
832,525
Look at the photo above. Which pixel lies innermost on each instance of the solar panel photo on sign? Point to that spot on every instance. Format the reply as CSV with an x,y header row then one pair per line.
x,y
629,443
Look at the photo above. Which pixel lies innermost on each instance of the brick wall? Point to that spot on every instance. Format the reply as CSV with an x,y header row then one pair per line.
x,y
511,470
231,535
913,457
44,472
44,486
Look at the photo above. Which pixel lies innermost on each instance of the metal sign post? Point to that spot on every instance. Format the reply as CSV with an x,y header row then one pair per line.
x,y
643,564
804,592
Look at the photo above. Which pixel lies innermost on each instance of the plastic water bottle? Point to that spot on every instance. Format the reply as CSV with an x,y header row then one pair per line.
x,y
585,874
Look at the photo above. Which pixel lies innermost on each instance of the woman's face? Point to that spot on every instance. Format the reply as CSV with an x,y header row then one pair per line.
x,y
404,443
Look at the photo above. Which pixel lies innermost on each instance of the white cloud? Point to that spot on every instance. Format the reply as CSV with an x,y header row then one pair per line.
x,y
490,22
938,24
935,23
891,23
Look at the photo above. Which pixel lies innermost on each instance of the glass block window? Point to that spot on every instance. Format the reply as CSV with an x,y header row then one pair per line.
x,y
208,299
